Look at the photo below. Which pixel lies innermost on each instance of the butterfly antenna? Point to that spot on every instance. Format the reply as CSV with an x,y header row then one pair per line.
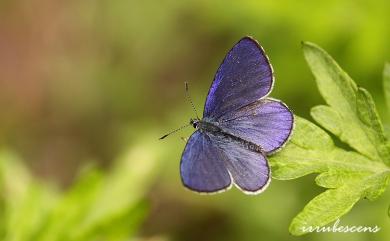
x,y
190,100
178,129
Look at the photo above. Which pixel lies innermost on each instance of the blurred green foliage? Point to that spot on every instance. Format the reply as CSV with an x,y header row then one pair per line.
x,y
97,207
83,81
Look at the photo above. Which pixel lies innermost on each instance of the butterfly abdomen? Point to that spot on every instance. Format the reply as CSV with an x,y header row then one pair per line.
x,y
246,144
213,129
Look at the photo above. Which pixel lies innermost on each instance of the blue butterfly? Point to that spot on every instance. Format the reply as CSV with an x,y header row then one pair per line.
x,y
240,126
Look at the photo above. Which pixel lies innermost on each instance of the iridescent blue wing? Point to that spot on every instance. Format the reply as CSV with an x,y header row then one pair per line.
x,y
244,76
209,162
267,123
201,167
249,169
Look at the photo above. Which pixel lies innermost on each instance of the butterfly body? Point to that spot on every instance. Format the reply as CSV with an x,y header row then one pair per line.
x,y
241,125
212,128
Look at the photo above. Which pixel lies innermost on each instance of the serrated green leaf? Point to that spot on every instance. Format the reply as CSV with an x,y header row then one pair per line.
x,y
334,178
369,116
335,202
324,208
311,150
357,122
375,185
349,176
328,117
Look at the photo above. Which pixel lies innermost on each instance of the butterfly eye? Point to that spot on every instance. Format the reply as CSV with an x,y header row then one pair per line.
x,y
195,123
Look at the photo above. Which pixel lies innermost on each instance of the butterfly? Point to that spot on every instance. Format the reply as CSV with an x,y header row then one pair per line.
x,y
240,127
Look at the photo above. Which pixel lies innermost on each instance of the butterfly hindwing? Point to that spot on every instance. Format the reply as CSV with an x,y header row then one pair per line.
x,y
267,123
209,162
244,76
249,169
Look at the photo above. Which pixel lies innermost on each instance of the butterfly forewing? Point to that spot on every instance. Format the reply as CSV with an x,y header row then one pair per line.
x,y
244,76
201,167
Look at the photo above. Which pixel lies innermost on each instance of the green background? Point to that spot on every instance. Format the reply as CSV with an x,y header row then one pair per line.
x,y
92,85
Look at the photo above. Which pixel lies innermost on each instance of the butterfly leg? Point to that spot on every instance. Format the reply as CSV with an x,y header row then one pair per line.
x,y
185,139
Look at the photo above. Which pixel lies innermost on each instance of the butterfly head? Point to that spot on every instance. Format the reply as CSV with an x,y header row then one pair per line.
x,y
194,122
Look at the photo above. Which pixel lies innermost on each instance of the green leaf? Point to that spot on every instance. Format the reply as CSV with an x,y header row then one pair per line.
x,y
348,176
118,202
72,207
98,206
26,202
353,117
103,206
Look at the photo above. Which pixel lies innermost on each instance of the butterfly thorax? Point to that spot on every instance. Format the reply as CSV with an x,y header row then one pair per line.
x,y
208,127
213,129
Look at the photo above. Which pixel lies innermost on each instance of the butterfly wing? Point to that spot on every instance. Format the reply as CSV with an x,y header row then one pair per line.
x,y
201,167
267,123
249,170
244,76
209,163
